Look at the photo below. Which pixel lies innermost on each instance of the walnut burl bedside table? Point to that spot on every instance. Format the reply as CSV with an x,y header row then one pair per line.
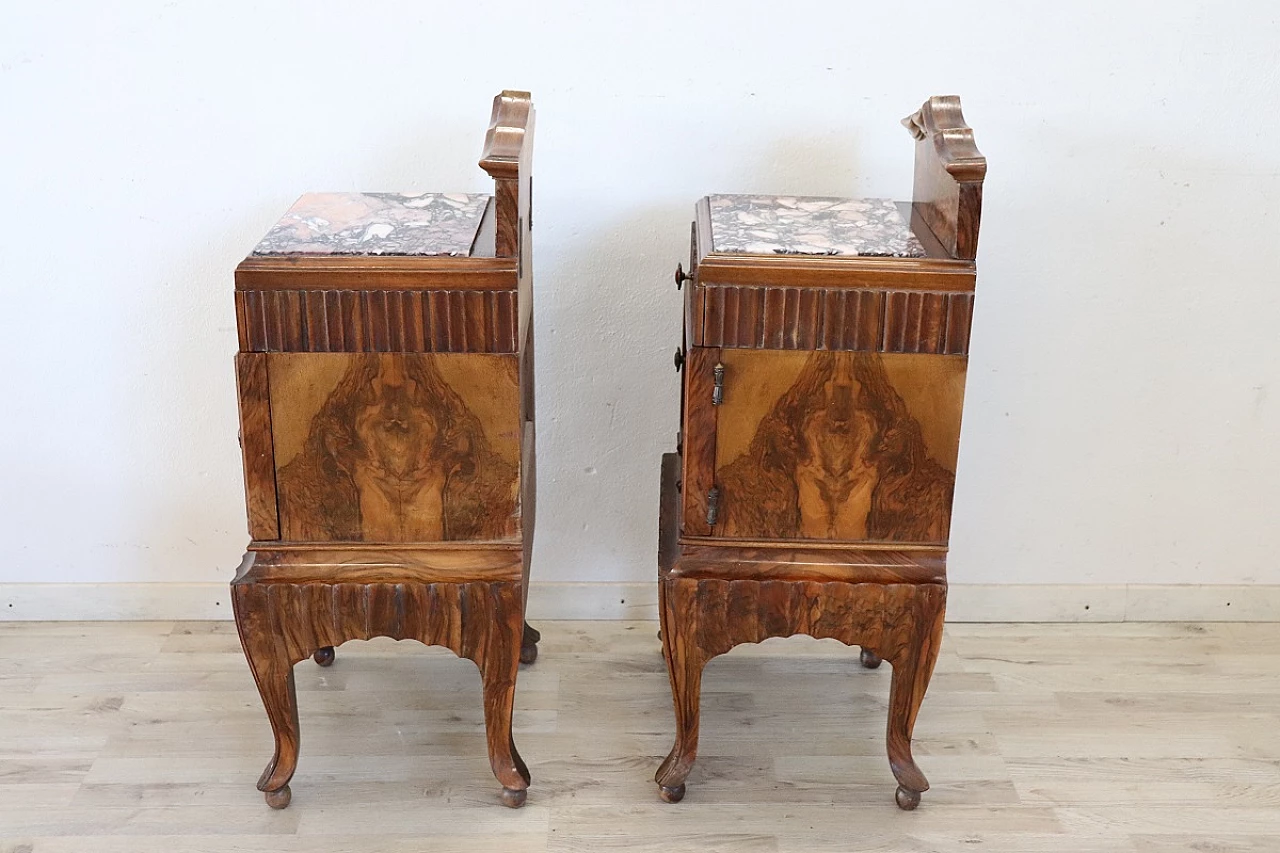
x,y
826,345
385,380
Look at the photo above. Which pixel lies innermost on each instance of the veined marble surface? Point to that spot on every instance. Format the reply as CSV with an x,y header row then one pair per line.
x,y
807,225
377,224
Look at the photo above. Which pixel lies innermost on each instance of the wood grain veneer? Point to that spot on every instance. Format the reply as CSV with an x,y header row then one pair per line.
x,y
256,445
854,447
396,448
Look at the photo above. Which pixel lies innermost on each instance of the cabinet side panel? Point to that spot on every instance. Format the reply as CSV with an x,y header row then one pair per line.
x,y
256,445
852,447
401,448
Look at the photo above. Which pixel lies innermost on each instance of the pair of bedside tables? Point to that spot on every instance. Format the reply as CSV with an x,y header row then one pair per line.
x,y
386,394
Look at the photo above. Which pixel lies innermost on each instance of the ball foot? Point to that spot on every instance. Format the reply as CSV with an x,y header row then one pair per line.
x,y
529,653
671,793
513,798
279,798
869,659
324,656
907,800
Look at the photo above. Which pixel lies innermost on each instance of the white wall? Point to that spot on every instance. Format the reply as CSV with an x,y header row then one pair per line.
x,y
1121,424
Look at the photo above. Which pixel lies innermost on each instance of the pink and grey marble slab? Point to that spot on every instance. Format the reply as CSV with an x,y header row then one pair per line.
x,y
377,224
808,225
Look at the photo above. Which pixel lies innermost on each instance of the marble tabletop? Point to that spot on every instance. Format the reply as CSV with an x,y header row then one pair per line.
x,y
808,225
377,224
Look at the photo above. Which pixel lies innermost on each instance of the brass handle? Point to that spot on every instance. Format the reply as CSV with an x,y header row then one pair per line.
x,y
681,276
713,506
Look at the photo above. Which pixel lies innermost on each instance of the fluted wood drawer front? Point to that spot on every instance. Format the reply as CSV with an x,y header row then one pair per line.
x,y
324,320
853,447
396,448
830,318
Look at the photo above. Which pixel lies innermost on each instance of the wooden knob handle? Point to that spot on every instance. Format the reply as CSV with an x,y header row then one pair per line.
x,y
681,276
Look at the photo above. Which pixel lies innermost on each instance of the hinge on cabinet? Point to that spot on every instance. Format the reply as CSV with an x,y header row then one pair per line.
x,y
717,390
713,506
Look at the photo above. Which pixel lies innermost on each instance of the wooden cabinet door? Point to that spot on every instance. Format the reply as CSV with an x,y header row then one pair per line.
x,y
396,448
836,446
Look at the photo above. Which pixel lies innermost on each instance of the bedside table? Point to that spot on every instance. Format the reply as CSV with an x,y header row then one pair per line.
x,y
385,380
824,363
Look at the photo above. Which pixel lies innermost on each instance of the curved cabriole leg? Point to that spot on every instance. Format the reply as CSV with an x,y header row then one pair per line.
x,y
324,656
868,658
281,702
273,672
499,662
912,668
529,644
684,666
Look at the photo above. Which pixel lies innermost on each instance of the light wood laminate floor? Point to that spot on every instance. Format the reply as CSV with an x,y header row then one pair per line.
x,y
1142,738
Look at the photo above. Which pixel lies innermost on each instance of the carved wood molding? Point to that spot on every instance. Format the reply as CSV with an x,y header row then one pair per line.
x,y
941,120
948,175
312,615
803,563
376,272
479,321
504,141
927,322
804,318
507,159
721,614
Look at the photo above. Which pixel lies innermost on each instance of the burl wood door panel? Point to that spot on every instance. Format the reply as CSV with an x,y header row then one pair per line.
x,y
403,447
848,446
